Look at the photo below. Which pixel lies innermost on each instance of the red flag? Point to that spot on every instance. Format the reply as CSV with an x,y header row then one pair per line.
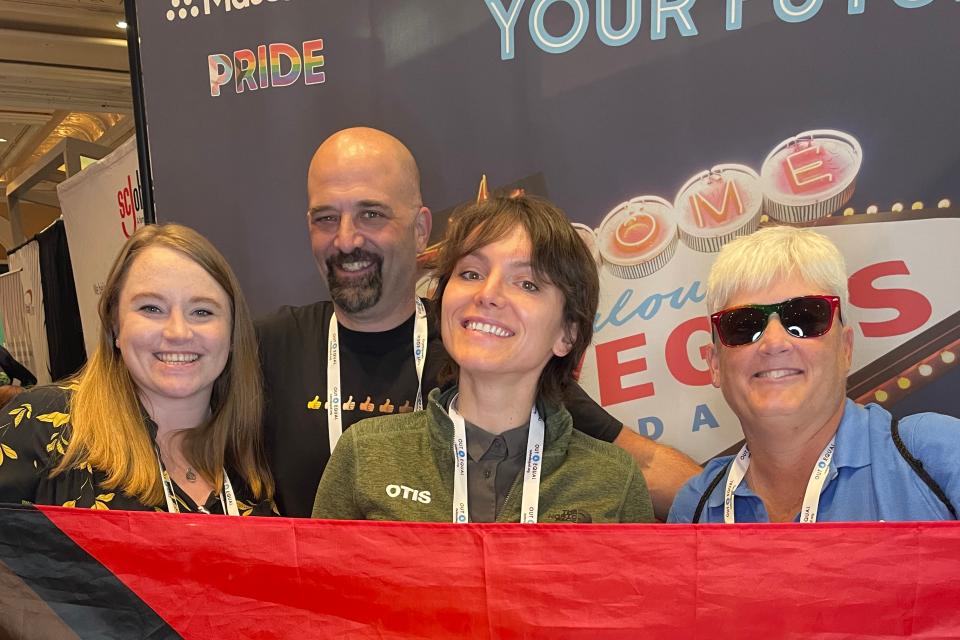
x,y
220,577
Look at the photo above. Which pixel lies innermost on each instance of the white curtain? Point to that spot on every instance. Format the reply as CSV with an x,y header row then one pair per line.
x,y
27,260
15,332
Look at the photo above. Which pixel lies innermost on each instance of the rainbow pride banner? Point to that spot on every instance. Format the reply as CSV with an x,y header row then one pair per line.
x,y
68,573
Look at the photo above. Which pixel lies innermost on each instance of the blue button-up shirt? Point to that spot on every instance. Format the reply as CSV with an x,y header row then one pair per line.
x,y
868,481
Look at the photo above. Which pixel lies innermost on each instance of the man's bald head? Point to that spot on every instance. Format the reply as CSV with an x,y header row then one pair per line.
x,y
363,149
367,222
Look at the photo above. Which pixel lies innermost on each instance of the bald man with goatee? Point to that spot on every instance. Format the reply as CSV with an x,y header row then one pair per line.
x,y
370,350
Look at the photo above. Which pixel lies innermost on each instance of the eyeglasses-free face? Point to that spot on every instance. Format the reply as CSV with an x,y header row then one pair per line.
x,y
802,317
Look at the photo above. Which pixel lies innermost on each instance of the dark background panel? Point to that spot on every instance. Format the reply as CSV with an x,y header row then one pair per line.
x,y
601,124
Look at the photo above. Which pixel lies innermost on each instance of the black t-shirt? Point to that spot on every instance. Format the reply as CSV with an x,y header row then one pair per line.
x,y
378,377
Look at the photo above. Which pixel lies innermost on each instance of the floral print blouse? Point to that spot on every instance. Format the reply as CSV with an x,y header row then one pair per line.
x,y
34,434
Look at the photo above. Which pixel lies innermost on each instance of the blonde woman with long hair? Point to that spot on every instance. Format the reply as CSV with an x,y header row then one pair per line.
x,y
166,414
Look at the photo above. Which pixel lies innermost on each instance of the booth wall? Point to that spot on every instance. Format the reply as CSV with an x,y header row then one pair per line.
x,y
612,114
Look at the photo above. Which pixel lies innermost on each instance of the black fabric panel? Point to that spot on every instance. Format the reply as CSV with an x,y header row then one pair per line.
x,y
64,331
25,615
75,586
14,369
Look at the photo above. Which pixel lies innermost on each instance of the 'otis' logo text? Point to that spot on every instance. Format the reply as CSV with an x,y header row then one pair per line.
x,y
130,205
408,493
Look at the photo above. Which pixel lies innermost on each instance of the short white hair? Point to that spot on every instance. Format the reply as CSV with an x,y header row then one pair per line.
x,y
757,261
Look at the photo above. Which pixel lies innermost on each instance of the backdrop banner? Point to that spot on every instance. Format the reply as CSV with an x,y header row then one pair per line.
x,y
102,207
664,128
26,259
149,575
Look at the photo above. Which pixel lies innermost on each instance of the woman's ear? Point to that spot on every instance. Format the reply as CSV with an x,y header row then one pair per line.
x,y
565,341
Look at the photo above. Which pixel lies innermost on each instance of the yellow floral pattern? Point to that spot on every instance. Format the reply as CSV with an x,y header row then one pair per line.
x,y
102,500
21,411
58,442
6,451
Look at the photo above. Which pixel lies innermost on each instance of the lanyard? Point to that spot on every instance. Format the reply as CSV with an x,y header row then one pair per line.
x,y
334,390
811,497
530,505
227,498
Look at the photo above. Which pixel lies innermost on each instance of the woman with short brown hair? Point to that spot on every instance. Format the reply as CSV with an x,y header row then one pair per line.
x,y
517,294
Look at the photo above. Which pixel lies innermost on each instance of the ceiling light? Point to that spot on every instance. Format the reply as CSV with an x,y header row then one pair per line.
x,y
121,24
3,139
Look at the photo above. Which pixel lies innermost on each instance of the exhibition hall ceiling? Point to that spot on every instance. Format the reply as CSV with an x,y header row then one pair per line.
x,y
63,73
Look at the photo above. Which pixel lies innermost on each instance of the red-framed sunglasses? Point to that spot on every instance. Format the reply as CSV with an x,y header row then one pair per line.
x,y
803,317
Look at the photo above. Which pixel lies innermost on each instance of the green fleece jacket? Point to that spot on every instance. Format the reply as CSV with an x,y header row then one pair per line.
x,y
400,467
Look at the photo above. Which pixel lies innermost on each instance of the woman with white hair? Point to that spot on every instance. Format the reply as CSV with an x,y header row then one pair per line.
x,y
781,352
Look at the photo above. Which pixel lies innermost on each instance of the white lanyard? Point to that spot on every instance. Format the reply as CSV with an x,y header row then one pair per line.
x,y
227,498
811,497
334,390
530,505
